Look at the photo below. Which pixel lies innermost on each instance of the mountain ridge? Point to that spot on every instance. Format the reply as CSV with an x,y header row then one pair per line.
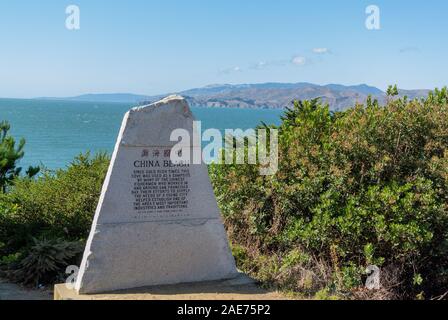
x,y
269,95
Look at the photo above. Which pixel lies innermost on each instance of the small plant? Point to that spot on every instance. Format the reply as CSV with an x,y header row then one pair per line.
x,y
392,91
44,261
9,259
325,294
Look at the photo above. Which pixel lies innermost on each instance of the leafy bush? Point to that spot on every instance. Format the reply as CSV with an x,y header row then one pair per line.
x,y
354,188
58,204
45,262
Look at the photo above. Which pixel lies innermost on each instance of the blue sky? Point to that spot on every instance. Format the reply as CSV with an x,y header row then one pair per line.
x,y
152,47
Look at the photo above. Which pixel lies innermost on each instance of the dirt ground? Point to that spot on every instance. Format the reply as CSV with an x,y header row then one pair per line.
x,y
10,291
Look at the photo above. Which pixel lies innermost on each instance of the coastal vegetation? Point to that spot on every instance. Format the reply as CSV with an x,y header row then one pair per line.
x,y
364,187
41,219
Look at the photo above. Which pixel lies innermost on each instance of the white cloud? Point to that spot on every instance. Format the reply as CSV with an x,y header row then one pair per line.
x,y
321,50
231,70
267,64
298,60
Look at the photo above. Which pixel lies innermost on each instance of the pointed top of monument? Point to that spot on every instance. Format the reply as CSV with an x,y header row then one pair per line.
x,y
152,125
172,97
169,100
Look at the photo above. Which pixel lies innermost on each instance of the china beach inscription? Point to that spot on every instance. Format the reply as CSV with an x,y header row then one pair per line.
x,y
160,187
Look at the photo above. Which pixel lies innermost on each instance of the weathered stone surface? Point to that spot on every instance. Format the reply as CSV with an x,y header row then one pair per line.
x,y
156,223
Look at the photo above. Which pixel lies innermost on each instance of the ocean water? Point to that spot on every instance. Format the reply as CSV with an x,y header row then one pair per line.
x,y
57,131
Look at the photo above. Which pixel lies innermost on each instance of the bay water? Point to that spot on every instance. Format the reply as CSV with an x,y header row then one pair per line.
x,y
57,131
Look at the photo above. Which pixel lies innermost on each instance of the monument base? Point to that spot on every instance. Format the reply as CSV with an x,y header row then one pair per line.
x,y
239,288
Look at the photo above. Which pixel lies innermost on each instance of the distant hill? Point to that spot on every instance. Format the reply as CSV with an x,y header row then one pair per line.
x,y
264,95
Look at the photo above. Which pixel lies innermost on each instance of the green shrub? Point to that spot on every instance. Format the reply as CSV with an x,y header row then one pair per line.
x,y
354,188
58,204
45,262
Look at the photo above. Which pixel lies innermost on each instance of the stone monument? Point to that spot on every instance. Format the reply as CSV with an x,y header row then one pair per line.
x,y
157,222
